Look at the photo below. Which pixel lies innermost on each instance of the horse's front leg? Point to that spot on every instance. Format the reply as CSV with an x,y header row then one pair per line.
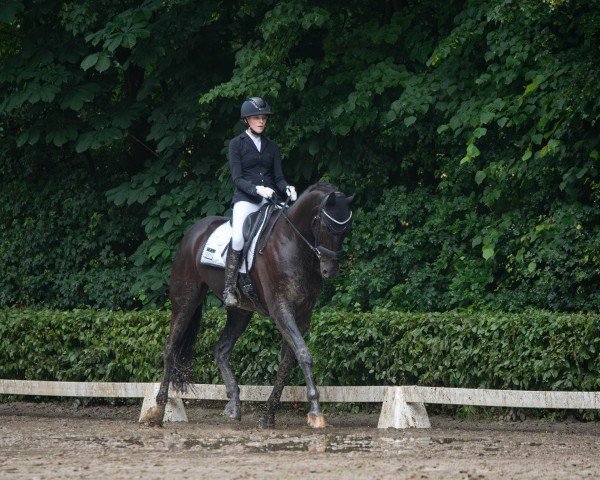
x,y
286,323
237,321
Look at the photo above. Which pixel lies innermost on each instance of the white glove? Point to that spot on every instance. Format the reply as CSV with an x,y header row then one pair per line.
x,y
265,192
291,192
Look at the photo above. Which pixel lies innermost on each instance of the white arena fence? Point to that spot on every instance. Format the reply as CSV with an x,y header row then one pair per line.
x,y
402,406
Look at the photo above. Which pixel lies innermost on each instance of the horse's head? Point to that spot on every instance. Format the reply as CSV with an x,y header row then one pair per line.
x,y
329,227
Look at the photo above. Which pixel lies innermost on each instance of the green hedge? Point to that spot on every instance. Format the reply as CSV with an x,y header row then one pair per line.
x,y
530,350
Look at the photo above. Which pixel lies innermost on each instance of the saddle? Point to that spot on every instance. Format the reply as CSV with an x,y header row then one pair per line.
x,y
215,249
253,227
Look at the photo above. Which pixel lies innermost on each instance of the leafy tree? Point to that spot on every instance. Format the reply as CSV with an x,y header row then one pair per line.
x,y
98,79
469,131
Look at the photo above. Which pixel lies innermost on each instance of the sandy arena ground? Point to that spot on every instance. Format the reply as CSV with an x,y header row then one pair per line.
x,y
57,440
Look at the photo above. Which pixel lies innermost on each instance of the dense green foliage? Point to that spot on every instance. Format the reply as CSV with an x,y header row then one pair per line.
x,y
531,350
469,131
61,242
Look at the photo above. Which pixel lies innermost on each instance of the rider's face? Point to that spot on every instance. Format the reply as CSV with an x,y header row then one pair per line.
x,y
257,122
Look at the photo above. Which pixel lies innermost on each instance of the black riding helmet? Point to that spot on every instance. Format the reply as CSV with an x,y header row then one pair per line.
x,y
255,106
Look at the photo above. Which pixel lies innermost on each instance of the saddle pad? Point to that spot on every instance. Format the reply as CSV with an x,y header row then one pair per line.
x,y
214,252
215,249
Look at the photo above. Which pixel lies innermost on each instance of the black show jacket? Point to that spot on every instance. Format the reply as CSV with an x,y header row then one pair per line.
x,y
250,168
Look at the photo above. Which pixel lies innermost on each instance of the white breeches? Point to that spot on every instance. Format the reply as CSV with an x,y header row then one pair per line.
x,y
240,211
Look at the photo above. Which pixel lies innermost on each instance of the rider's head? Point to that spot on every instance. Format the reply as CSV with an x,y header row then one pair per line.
x,y
254,113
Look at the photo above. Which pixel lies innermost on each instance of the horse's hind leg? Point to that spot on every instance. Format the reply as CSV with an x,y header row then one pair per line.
x,y
237,321
283,374
178,353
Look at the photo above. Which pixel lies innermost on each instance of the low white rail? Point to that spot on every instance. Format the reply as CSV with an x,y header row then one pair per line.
x,y
402,407
73,389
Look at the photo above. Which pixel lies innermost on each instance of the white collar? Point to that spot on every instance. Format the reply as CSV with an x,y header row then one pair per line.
x,y
255,138
252,135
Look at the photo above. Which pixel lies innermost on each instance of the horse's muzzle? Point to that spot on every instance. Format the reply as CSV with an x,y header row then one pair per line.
x,y
329,269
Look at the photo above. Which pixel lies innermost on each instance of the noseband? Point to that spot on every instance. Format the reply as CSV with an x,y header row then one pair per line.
x,y
334,226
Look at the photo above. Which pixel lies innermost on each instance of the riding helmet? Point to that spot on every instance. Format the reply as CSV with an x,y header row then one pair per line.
x,y
255,106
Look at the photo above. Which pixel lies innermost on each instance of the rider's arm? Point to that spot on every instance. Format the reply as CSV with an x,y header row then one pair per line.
x,y
235,163
278,177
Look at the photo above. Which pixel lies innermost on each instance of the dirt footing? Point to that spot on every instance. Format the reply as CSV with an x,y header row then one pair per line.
x,y
67,440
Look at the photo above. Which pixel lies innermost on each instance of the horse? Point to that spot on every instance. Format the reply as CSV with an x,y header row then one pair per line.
x,y
304,247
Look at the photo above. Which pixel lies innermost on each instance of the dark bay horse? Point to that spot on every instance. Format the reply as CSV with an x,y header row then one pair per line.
x,y
304,247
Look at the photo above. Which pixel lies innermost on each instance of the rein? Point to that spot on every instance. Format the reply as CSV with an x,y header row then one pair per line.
x,y
318,250
314,249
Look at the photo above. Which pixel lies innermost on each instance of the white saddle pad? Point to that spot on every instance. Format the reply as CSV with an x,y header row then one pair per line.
x,y
214,252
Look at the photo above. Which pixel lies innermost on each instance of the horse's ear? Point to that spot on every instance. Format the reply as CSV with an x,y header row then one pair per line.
x,y
330,201
351,198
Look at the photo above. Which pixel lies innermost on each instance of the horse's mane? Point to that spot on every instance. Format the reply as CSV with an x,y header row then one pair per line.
x,y
325,187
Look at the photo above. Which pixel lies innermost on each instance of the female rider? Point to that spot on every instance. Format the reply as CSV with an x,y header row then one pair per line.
x,y
255,163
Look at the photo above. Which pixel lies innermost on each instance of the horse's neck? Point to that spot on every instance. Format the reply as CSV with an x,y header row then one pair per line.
x,y
301,214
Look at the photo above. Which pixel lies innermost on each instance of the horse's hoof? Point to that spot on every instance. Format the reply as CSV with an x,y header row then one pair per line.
x,y
233,410
266,422
316,421
154,423
230,300
153,417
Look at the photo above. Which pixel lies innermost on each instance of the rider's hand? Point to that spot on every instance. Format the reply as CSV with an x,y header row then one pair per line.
x,y
265,192
291,192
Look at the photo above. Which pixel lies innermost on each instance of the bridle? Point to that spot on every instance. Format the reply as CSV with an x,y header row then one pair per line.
x,y
334,226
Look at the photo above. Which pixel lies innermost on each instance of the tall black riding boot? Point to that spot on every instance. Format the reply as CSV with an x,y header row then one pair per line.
x,y
232,264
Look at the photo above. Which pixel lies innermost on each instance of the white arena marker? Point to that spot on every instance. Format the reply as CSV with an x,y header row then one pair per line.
x,y
174,410
396,412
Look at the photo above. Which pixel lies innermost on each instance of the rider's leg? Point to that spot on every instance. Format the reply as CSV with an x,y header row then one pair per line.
x,y
232,265
234,255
